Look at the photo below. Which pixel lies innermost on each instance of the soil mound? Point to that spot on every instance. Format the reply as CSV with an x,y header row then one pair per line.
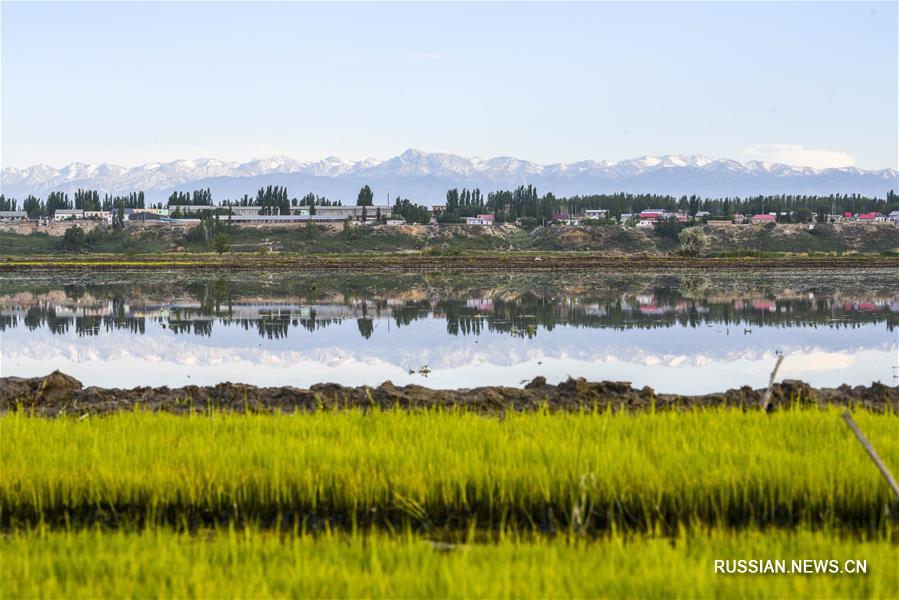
x,y
58,394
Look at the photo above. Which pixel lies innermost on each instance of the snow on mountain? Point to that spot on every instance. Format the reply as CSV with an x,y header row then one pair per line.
x,y
425,177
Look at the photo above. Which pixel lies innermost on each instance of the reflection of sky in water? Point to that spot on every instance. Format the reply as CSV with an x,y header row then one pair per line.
x,y
706,358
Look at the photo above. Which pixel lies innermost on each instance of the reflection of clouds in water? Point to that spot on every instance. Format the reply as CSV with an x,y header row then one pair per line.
x,y
420,344
815,362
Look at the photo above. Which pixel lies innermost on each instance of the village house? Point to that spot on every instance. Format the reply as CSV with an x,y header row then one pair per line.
x,y
244,210
893,217
99,215
652,214
13,215
354,213
566,219
480,220
596,213
871,217
763,218
63,214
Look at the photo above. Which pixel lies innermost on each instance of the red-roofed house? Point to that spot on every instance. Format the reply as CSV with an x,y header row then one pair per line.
x,y
763,218
871,216
652,214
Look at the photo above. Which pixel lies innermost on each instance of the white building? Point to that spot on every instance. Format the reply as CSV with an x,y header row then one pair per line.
x,y
354,213
68,213
13,215
99,215
596,213
480,220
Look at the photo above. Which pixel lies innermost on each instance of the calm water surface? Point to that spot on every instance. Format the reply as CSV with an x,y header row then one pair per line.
x,y
676,332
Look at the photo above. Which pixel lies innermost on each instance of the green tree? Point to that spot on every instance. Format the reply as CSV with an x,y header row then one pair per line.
x,y
802,215
34,207
73,238
365,197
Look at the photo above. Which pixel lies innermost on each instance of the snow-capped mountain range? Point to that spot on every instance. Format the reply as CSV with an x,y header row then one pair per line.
x,y
425,177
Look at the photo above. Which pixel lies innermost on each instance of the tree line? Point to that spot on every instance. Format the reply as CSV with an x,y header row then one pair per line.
x,y
88,200
524,202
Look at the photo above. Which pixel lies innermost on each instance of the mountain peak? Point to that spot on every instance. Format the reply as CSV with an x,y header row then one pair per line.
x,y
425,176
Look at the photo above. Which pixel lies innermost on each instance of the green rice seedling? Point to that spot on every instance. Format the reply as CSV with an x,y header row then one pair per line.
x,y
253,563
445,470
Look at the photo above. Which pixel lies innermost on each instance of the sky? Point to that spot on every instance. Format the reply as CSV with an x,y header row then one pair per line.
x,y
811,84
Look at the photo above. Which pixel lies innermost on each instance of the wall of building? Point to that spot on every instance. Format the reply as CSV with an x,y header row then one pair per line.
x,y
54,228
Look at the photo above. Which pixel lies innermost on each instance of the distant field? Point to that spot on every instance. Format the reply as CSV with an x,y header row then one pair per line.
x,y
259,564
448,471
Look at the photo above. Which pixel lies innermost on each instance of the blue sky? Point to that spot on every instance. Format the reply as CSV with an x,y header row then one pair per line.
x,y
804,83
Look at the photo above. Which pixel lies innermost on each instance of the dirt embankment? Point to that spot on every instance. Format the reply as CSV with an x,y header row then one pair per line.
x,y
59,395
797,238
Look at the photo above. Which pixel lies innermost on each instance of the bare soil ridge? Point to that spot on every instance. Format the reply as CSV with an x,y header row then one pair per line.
x,y
58,395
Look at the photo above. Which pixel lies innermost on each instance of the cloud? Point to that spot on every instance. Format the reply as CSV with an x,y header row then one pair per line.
x,y
796,155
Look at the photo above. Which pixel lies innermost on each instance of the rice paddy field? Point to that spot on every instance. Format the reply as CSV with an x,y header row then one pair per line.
x,y
251,563
431,503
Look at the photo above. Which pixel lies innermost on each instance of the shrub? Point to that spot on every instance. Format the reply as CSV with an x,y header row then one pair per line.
x,y
221,243
693,241
441,250
74,238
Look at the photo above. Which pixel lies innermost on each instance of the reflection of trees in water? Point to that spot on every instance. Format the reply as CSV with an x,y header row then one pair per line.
x,y
366,327
273,326
521,316
8,322
196,327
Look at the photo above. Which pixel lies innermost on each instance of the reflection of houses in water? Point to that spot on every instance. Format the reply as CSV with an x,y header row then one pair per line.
x,y
480,304
521,316
765,305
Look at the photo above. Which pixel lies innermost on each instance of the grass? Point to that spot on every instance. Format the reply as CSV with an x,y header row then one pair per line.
x,y
254,563
19,244
449,471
